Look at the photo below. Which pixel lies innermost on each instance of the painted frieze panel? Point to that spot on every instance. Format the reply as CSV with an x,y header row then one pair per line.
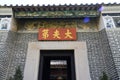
x,y
55,14
86,24
36,24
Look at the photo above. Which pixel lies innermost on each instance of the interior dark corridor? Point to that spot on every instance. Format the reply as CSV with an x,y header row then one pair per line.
x,y
56,65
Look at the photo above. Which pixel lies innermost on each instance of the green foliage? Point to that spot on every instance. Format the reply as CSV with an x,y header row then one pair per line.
x,y
11,78
18,75
104,77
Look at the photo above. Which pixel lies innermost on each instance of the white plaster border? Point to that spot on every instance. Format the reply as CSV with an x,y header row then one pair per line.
x,y
80,54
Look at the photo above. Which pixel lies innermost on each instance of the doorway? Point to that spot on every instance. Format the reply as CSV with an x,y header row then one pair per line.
x,y
56,65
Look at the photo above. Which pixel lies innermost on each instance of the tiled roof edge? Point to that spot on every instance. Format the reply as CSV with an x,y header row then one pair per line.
x,y
32,5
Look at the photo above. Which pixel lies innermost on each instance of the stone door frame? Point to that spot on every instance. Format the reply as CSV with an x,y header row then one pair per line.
x,y
80,53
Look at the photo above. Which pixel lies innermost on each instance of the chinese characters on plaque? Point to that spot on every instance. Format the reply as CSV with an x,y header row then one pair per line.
x,y
57,34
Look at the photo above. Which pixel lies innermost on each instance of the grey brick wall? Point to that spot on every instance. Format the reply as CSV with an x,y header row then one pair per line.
x,y
114,42
95,54
20,50
6,52
15,49
107,54
99,54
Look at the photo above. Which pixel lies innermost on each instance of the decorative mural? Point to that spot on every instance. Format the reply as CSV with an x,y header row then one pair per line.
x,y
87,25
36,24
31,25
5,23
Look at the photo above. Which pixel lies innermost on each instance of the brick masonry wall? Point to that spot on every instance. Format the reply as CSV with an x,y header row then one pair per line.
x,y
95,56
107,54
20,51
114,42
99,53
6,52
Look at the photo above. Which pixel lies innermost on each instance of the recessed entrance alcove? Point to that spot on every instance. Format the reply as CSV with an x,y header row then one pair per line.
x,y
56,65
72,55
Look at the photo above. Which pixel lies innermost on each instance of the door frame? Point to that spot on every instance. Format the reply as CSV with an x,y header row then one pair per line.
x,y
80,53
